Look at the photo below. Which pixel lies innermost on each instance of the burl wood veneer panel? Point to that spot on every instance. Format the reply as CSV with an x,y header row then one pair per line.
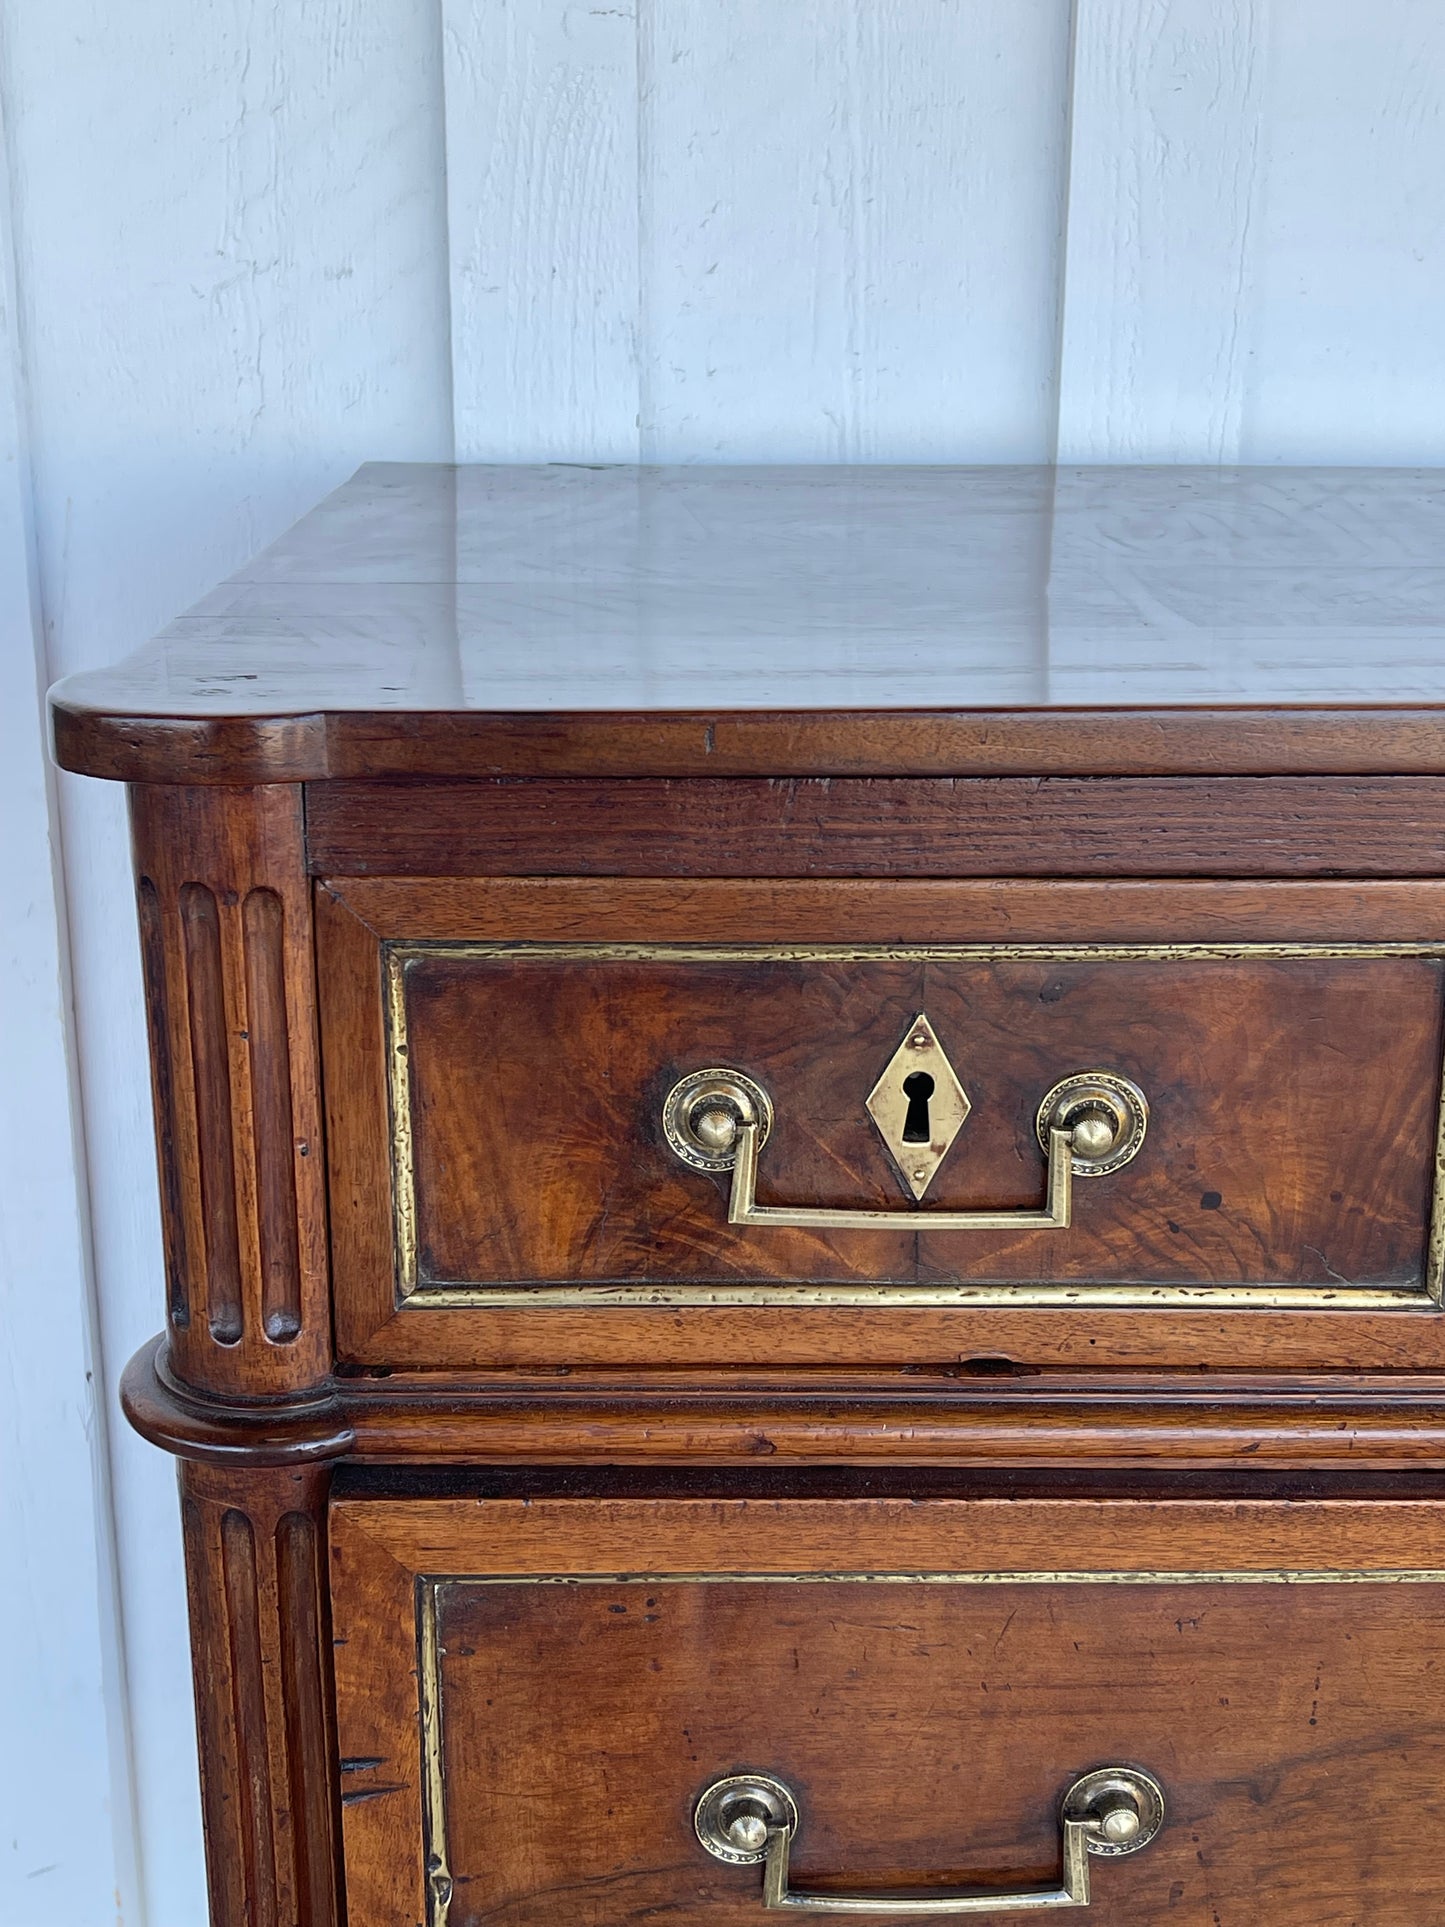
x,y
1343,1048
1293,1105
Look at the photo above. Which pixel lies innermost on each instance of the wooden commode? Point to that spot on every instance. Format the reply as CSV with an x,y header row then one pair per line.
x,y
800,1140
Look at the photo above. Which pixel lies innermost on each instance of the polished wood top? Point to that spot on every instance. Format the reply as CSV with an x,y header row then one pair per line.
x,y
803,621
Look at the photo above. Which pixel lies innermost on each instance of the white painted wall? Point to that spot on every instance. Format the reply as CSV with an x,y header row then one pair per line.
x,y
230,244
246,244
67,1841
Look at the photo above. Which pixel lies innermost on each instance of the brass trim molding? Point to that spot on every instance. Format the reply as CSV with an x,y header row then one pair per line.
x,y
417,1293
433,1776
1078,1576
436,1862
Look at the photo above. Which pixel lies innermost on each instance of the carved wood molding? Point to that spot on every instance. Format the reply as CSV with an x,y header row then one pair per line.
x,y
226,938
260,1620
1056,1421
305,1429
364,745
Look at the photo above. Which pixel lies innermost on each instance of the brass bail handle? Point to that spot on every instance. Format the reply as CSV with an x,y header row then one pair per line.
x,y
1089,1125
747,1818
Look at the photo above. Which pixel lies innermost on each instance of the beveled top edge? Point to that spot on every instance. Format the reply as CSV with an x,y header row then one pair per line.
x,y
1241,740
603,619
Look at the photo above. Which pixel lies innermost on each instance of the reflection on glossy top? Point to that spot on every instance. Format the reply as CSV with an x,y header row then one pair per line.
x,y
617,588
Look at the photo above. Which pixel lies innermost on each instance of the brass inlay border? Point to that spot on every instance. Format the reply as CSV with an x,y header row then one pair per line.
x,y
398,1081
1083,1576
415,1292
435,1850
433,1777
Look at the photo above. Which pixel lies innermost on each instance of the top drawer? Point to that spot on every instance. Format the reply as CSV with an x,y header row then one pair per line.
x,y
570,1125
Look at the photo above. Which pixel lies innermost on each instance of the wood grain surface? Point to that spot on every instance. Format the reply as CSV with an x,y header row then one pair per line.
x,y
926,1728
260,1645
602,1536
226,945
356,916
583,619
968,827
1290,1142
365,745
984,1413
882,910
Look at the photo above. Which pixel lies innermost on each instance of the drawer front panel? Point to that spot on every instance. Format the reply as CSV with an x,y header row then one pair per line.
x,y
509,1184
1290,1144
926,1722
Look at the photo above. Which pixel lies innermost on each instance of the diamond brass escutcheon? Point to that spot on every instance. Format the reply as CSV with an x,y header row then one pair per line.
x,y
918,1105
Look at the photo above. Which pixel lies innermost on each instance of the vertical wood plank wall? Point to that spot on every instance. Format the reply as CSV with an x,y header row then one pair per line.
x,y
63,1714
988,230
1166,176
256,243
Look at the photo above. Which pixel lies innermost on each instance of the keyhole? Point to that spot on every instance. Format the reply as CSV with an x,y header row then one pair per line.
x,y
917,1088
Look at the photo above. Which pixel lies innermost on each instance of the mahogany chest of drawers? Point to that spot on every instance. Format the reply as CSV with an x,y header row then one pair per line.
x,y
800,1137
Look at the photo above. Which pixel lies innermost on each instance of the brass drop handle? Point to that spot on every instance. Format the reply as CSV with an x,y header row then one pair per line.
x,y
1089,1125
752,1817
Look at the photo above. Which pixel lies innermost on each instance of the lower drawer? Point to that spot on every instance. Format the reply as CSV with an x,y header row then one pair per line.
x,y
634,1711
